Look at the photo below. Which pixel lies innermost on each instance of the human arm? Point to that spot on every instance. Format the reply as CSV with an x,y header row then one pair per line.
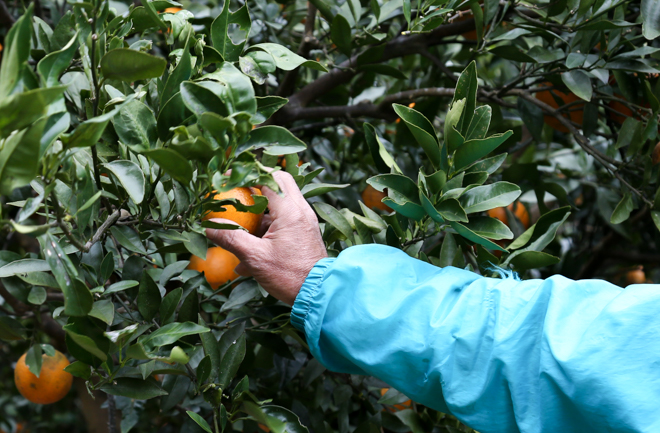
x,y
502,355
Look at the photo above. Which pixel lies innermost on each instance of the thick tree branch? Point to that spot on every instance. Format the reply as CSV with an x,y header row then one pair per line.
x,y
399,47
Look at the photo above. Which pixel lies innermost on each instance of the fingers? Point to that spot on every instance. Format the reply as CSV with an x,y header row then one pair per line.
x,y
243,270
238,242
266,221
292,195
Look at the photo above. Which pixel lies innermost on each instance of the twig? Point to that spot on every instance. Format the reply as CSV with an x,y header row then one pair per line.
x,y
112,218
288,82
6,18
112,412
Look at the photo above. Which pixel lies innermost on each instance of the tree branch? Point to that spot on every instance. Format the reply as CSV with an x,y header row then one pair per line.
x,y
401,46
6,19
308,42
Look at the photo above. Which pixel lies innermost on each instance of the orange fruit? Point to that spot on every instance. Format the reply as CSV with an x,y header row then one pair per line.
x,y
248,220
281,161
516,208
575,114
218,267
52,384
172,10
636,276
371,197
263,427
656,154
405,405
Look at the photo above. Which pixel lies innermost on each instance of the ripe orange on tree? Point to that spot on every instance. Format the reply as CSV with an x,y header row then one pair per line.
x,y
401,406
248,220
517,208
371,197
218,267
172,10
636,276
656,154
575,112
52,384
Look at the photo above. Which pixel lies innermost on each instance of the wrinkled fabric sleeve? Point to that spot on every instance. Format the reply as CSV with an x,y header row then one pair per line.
x,y
502,355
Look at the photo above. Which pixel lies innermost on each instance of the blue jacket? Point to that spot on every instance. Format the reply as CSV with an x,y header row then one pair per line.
x,y
501,355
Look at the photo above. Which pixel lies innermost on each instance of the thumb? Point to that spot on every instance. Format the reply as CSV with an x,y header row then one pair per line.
x,y
238,241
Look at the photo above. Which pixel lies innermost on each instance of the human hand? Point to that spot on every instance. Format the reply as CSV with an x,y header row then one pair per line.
x,y
289,248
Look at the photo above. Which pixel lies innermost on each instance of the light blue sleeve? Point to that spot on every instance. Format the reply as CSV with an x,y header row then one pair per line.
x,y
502,355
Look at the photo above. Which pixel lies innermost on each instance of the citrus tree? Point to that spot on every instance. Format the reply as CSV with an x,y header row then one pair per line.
x,y
518,135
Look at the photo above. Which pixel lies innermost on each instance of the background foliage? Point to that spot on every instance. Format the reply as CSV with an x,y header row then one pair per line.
x,y
118,118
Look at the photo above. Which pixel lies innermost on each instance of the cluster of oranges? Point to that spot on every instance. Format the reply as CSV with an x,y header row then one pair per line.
x,y
219,265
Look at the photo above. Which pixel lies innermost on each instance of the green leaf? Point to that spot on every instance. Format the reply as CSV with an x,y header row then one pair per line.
x,y
120,286
473,150
54,64
479,124
34,359
137,389
78,300
333,217
275,140
11,329
267,106
236,90
23,266
79,369
403,194
290,420
130,176
129,65
623,209
135,126
286,59
532,260
85,342
23,109
17,51
149,298
453,138
200,421
220,29
474,237
171,115
490,228
423,131
466,88
487,197
181,73
542,232
382,158
650,10
169,304
579,83
37,295
201,100
231,361
103,310
89,132
340,33
18,162
171,333
315,189
172,163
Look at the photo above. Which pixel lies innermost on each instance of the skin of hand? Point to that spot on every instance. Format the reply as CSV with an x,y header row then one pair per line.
x,y
289,247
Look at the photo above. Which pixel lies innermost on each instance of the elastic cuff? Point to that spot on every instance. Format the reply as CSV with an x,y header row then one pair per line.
x,y
309,288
